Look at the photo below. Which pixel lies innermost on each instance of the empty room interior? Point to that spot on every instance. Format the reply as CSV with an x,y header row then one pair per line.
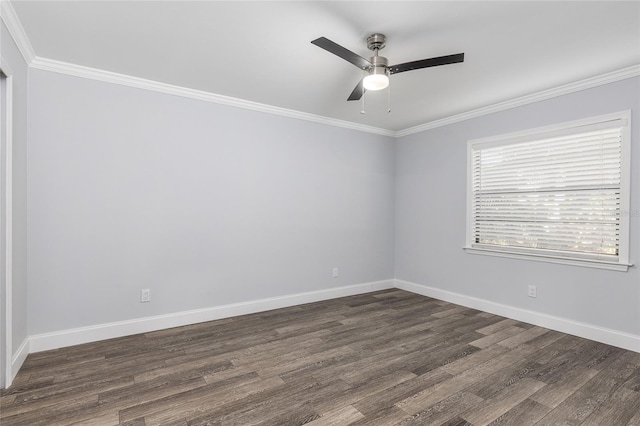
x,y
323,213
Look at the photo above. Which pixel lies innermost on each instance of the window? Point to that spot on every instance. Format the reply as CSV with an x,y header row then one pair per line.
x,y
558,193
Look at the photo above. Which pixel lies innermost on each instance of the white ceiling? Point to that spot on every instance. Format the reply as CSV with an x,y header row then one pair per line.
x,y
261,51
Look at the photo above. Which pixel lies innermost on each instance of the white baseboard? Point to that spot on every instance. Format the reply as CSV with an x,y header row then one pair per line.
x,y
76,336
17,360
63,338
588,331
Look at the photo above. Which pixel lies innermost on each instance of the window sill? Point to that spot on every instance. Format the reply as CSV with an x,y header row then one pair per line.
x,y
600,264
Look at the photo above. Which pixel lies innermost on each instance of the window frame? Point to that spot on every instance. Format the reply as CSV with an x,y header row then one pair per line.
x,y
622,264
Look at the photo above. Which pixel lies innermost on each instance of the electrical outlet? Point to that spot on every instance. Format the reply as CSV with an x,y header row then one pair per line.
x,y
533,291
335,272
145,295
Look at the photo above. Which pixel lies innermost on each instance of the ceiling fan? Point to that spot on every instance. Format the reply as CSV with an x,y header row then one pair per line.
x,y
377,68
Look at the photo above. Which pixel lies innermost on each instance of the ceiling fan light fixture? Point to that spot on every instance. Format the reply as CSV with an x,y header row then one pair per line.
x,y
377,79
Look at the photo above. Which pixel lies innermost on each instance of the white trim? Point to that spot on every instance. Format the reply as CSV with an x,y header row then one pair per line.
x,y
8,246
155,86
611,77
15,28
7,109
59,339
588,331
18,358
621,119
625,189
587,263
141,83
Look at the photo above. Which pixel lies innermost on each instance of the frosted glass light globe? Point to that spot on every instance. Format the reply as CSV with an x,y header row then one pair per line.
x,y
376,81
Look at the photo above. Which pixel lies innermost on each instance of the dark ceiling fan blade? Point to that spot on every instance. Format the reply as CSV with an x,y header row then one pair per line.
x,y
342,52
357,92
425,63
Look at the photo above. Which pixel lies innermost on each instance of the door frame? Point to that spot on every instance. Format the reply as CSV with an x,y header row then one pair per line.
x,y
7,193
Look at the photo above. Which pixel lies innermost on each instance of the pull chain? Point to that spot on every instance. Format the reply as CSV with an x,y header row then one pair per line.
x,y
363,111
389,99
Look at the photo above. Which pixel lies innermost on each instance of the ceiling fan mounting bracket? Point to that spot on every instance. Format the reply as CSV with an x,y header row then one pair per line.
x,y
376,41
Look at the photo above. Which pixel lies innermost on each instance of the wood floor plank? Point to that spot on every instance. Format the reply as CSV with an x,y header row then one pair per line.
x,y
324,367
555,393
134,409
618,409
459,365
586,354
191,404
577,407
220,376
54,395
444,356
445,410
301,415
500,325
375,359
359,391
457,421
301,361
196,368
358,364
453,310
544,340
498,336
150,390
341,416
43,415
134,422
390,396
528,412
504,378
383,417
502,402
442,390
521,338
633,382
558,348
470,320
418,361
262,406
635,419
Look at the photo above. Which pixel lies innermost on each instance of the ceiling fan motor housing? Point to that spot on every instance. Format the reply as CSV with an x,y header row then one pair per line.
x,y
380,65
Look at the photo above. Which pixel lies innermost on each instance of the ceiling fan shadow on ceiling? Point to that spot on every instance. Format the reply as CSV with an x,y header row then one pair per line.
x,y
377,69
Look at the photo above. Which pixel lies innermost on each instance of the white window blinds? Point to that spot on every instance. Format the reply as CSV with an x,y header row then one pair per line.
x,y
557,194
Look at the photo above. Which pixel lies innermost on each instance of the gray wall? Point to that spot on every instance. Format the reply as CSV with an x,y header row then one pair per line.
x,y
204,204
431,212
208,205
13,58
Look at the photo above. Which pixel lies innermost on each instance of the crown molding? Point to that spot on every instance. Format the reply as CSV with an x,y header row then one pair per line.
x,y
141,83
10,19
126,80
611,77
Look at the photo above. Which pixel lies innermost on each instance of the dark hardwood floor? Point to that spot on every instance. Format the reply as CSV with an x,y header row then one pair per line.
x,y
385,358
